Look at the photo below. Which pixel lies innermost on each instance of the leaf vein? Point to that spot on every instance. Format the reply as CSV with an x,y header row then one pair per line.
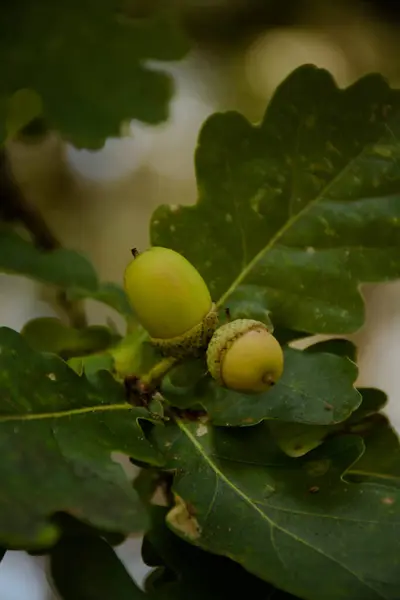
x,y
288,224
264,516
65,413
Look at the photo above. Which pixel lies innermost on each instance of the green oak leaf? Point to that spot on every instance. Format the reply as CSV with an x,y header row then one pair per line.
x,y
71,527
134,354
57,433
243,305
108,293
182,568
48,334
63,268
91,365
337,346
296,439
380,462
298,210
315,388
239,496
86,568
181,386
86,61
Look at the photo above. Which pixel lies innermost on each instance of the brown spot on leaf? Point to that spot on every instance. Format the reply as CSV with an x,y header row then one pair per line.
x,y
328,406
181,518
388,500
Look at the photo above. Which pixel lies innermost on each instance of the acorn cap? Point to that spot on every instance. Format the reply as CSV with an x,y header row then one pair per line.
x,y
243,355
223,339
192,342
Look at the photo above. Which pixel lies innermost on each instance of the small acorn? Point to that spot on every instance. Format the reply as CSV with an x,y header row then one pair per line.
x,y
244,356
171,301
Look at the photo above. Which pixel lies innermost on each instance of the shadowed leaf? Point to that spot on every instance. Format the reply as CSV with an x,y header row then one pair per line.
x,y
238,495
87,568
188,572
315,388
57,433
86,61
63,268
298,211
296,439
47,334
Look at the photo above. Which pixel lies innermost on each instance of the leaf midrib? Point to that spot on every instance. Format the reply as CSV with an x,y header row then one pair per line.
x,y
248,501
289,223
65,413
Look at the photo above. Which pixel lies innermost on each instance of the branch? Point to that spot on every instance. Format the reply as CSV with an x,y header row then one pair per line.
x,y
14,207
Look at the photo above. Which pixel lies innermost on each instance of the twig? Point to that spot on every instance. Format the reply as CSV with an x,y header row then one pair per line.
x,y
153,377
14,207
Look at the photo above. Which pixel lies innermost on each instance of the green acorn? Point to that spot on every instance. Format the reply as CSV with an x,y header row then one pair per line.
x,y
244,356
171,301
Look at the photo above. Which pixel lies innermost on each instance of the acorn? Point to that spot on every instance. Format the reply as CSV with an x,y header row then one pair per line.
x,y
244,356
171,301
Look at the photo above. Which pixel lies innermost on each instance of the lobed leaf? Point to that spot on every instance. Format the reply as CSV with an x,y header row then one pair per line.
x,y
299,210
380,462
296,439
57,433
63,268
338,346
87,568
108,293
91,365
238,495
316,388
86,61
185,571
47,334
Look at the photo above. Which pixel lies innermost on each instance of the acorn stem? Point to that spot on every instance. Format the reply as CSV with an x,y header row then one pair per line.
x,y
156,373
